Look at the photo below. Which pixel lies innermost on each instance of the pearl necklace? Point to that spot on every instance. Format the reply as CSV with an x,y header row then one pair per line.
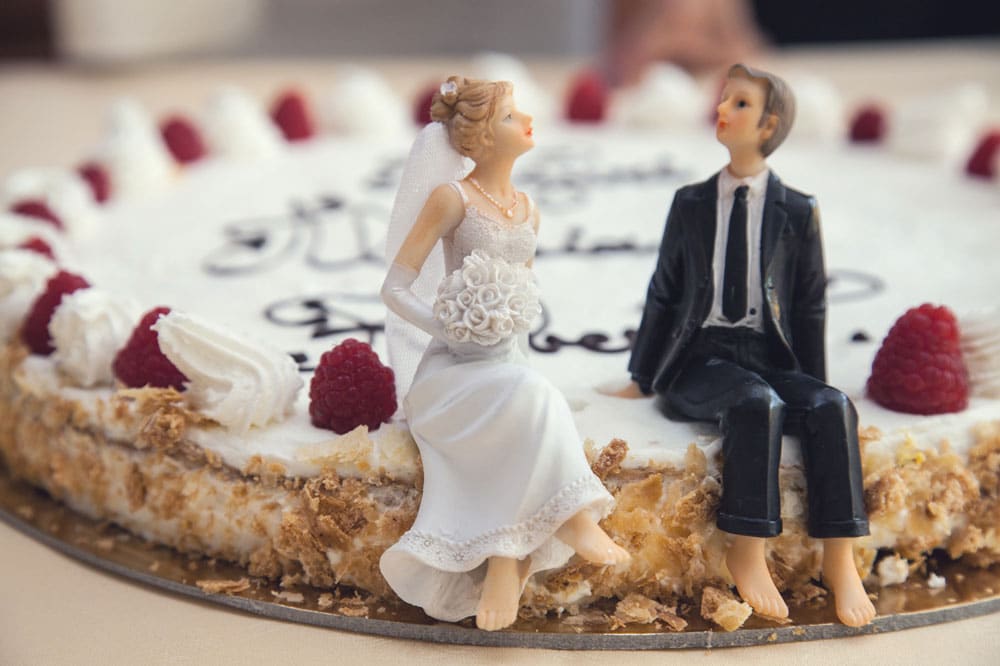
x,y
508,212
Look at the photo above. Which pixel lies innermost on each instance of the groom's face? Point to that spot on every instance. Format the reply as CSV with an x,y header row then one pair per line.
x,y
738,126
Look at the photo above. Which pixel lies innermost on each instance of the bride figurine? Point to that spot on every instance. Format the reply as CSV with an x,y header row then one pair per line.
x,y
507,489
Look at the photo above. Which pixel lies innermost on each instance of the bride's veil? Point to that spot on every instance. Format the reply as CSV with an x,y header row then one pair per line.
x,y
432,162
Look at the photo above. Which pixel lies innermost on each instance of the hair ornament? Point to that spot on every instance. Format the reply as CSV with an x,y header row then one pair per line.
x,y
449,88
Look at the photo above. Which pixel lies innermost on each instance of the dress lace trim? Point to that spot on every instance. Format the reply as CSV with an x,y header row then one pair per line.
x,y
516,541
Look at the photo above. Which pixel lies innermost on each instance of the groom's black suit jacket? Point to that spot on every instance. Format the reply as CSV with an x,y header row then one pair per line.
x,y
680,292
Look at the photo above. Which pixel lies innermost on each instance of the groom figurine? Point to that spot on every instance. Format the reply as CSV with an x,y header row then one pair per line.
x,y
733,332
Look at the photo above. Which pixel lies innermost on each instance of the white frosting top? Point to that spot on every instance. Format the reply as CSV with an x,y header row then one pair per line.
x,y
23,275
236,126
88,328
298,263
238,383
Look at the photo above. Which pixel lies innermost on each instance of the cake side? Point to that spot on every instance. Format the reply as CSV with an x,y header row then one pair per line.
x,y
331,529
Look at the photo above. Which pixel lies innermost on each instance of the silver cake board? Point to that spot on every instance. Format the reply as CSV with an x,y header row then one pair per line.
x,y
112,549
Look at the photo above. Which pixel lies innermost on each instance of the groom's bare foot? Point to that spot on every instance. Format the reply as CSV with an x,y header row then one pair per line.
x,y
501,596
854,608
745,559
585,536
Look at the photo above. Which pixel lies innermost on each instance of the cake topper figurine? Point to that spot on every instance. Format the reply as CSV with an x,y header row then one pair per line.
x,y
733,332
507,489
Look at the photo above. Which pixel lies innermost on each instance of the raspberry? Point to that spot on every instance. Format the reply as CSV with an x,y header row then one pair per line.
x,y
868,124
38,209
36,244
422,109
291,114
97,178
35,331
351,387
141,363
919,368
985,159
183,139
588,98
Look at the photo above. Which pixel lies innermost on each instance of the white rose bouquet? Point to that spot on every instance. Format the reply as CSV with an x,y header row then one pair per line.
x,y
487,301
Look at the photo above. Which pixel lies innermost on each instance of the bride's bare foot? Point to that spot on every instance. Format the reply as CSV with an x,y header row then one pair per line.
x,y
585,536
501,594
745,559
854,608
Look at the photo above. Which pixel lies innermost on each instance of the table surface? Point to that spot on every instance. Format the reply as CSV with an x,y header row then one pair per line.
x,y
57,610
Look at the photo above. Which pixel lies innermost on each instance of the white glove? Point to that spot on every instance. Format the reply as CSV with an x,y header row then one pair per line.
x,y
398,297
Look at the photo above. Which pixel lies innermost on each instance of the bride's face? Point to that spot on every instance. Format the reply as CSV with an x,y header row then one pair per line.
x,y
512,133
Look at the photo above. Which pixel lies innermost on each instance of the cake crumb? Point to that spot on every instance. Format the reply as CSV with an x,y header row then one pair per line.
x,y
799,631
289,597
936,582
772,637
722,608
217,586
325,601
893,570
610,458
26,512
640,609
154,567
106,544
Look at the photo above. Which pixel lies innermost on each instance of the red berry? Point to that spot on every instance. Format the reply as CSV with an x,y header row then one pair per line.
x,y
351,387
38,209
985,159
422,109
35,331
97,177
141,363
868,125
919,368
183,139
588,98
292,115
36,244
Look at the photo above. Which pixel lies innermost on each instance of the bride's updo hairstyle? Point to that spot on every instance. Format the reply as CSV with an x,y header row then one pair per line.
x,y
466,107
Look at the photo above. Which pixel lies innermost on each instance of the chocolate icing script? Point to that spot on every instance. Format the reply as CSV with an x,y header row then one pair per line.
x,y
338,233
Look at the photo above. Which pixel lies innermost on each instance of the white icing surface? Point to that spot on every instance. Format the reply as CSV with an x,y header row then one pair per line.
x,y
236,126
290,250
819,110
88,328
23,275
237,382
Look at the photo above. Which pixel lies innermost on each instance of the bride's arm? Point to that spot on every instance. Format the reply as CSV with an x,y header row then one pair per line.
x,y
442,213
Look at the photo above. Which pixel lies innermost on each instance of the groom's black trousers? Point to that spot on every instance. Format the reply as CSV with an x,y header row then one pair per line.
x,y
729,379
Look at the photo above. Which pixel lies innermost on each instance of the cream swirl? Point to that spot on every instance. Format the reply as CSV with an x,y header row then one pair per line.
x,y
88,328
237,382
980,343
23,275
237,127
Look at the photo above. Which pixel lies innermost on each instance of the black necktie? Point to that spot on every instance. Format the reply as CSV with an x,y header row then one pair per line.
x,y
734,289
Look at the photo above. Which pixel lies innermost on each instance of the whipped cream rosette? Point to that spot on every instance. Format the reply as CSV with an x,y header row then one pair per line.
x,y
487,301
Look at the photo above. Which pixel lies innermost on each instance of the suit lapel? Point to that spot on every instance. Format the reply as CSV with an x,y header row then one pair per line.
x,y
774,221
704,219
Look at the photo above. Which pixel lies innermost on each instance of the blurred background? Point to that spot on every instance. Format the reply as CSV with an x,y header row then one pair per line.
x,y
115,31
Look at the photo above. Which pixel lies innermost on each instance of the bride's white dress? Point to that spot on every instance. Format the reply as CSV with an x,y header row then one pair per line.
x,y
503,463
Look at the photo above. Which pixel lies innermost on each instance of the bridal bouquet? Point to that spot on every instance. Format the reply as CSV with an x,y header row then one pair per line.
x,y
487,301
